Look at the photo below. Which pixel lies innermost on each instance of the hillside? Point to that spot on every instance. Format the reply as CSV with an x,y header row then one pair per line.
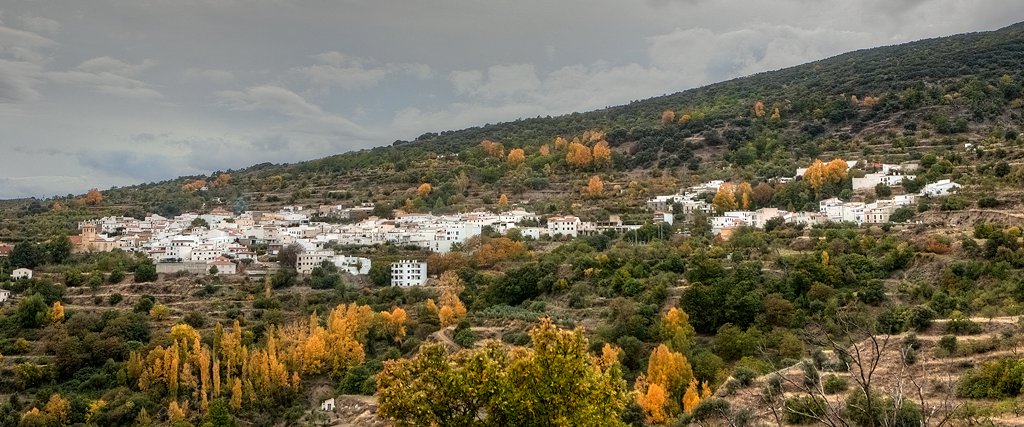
x,y
659,323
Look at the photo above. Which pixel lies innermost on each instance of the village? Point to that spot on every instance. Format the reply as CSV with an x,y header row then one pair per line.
x,y
222,242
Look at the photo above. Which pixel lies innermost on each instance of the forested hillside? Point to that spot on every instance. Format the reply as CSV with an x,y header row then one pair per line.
x,y
914,321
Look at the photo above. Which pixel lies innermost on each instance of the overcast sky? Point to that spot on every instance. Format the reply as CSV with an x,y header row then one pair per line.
x,y
104,93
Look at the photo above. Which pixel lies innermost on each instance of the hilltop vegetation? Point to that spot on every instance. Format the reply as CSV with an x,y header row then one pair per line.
x,y
665,324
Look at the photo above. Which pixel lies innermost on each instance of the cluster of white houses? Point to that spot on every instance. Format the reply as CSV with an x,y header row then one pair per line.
x,y
691,200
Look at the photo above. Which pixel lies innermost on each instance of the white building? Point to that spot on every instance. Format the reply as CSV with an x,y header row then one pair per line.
x,y
224,266
21,273
307,261
4,295
564,225
327,405
408,273
941,187
891,178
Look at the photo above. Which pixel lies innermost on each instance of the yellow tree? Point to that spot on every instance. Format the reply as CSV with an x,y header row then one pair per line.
x,y
93,197
493,149
59,410
691,398
579,155
424,189
683,118
669,369
56,312
602,154
759,108
560,142
652,399
677,331
775,115
668,116
393,323
516,156
236,394
221,180
744,192
594,188
503,201
725,198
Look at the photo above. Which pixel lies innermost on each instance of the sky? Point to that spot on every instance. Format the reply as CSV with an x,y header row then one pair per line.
x,y
111,93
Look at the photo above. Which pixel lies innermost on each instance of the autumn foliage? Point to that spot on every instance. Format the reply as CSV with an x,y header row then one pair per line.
x,y
668,116
579,155
516,156
602,154
424,189
498,250
187,370
93,197
594,188
725,198
759,108
820,173
193,185
493,149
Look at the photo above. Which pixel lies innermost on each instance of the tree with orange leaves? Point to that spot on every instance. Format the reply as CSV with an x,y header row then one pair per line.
x,y
560,142
452,310
393,323
579,155
93,197
759,108
221,180
503,201
424,190
602,154
667,117
516,156
820,173
725,198
652,398
691,398
744,192
594,188
493,149
193,185
544,150
669,369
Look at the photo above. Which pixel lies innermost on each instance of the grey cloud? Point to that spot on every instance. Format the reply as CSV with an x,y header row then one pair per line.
x,y
139,166
210,75
109,76
40,24
18,80
347,72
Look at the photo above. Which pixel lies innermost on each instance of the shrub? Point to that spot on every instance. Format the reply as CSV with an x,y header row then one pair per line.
x,y
114,298
962,326
744,375
835,384
811,375
993,380
804,409
883,411
948,343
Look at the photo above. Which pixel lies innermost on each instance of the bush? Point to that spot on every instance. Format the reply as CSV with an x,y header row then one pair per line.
x,y
114,298
195,319
962,326
811,375
145,272
948,343
993,380
804,409
883,411
464,336
744,375
835,384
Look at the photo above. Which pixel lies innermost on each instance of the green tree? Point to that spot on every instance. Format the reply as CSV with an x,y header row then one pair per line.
x,y
59,249
31,311
219,415
557,382
25,255
145,272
